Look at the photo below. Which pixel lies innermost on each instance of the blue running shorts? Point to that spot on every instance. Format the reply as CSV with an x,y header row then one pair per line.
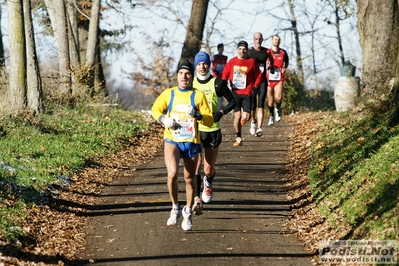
x,y
187,149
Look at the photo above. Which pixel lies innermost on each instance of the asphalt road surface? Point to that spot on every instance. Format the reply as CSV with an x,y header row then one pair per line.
x,y
242,225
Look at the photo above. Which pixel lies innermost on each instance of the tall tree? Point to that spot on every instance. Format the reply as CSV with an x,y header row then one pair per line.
x,y
93,61
195,30
17,55
57,13
294,28
2,57
378,26
25,82
74,56
34,82
72,18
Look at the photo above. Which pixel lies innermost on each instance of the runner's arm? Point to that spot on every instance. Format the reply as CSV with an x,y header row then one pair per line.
x,y
223,90
160,106
286,59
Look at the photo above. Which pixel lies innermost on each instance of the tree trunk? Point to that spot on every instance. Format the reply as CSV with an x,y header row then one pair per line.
x,y
99,78
56,10
378,26
92,43
297,44
73,33
195,30
2,57
72,19
34,82
93,33
335,5
17,55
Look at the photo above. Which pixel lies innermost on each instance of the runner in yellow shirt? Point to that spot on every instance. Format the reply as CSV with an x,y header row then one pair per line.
x,y
180,110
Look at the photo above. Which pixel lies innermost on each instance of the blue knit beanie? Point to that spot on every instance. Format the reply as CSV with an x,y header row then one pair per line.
x,y
202,57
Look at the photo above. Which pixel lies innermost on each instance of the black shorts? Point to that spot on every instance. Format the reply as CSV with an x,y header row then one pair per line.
x,y
242,101
259,96
211,139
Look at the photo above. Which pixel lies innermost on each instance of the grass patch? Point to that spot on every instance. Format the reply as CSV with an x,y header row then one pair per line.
x,y
47,149
355,176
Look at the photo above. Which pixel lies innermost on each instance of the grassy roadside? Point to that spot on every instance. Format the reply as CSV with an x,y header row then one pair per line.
x,y
354,176
44,152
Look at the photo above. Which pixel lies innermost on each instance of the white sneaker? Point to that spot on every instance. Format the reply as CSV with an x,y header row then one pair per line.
x,y
271,121
252,129
175,214
278,115
187,223
207,193
197,208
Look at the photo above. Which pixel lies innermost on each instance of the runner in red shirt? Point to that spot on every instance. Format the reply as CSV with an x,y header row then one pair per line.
x,y
276,79
243,74
218,62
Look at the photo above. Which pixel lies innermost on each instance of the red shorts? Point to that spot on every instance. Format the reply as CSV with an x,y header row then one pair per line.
x,y
273,84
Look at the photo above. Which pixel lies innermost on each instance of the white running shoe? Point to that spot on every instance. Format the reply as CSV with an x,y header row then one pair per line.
x,y
259,132
187,223
271,121
197,208
175,214
207,193
278,115
252,129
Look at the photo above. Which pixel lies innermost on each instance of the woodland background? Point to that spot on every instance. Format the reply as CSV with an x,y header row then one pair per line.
x,y
128,50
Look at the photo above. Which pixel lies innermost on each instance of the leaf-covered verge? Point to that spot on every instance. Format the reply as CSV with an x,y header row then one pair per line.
x,y
344,172
52,168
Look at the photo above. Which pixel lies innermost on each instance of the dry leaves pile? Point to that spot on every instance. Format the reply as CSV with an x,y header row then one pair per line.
x,y
309,226
58,228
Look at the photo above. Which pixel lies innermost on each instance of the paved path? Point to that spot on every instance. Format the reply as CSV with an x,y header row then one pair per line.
x,y
243,224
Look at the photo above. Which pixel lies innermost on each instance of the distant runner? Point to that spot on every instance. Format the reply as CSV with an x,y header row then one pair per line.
x,y
244,75
276,80
262,56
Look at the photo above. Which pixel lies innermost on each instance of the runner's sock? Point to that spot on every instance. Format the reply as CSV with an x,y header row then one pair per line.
x,y
198,185
278,105
271,110
210,178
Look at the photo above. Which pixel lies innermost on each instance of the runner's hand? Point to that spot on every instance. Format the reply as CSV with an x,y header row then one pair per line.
x,y
168,122
217,116
271,70
190,111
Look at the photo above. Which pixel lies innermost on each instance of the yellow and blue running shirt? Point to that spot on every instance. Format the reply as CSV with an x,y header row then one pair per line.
x,y
173,103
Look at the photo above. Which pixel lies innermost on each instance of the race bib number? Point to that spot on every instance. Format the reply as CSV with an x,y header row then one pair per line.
x,y
240,77
184,129
262,67
276,76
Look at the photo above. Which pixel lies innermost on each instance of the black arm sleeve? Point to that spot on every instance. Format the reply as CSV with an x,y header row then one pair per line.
x,y
223,90
286,59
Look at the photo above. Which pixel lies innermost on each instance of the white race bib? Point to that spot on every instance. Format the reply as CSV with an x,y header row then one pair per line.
x,y
184,129
276,76
239,77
